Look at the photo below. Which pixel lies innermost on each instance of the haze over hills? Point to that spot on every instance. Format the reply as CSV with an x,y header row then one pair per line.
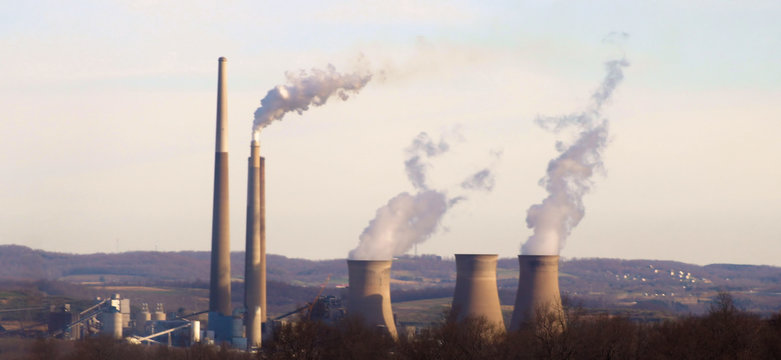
x,y
612,285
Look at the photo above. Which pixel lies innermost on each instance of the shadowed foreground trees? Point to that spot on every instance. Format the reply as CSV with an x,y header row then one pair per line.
x,y
724,333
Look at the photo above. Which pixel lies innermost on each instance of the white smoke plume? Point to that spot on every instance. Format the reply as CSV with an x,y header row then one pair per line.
x,y
422,147
481,180
484,179
409,219
304,90
568,177
403,222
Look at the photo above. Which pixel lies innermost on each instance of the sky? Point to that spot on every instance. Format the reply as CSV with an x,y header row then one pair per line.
x,y
109,117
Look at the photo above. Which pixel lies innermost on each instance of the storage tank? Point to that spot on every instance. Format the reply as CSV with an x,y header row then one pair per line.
x,y
538,290
142,317
112,323
476,294
159,314
195,332
369,293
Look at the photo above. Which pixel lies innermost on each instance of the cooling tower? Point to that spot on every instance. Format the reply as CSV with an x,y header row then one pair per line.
x,y
476,294
369,293
538,290
219,287
252,250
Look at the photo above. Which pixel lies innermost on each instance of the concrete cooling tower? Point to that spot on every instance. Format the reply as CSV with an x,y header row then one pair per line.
x,y
369,293
476,294
538,290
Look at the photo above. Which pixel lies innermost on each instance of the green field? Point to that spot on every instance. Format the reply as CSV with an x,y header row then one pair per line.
x,y
421,312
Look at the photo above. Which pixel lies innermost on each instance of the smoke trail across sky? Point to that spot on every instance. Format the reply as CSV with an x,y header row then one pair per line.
x,y
483,179
408,219
304,90
422,148
568,176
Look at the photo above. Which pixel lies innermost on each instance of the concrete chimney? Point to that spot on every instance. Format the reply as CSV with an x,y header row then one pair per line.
x,y
219,288
369,293
538,290
476,294
262,279
252,251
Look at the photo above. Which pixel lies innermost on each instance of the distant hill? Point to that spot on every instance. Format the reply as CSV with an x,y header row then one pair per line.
x,y
610,284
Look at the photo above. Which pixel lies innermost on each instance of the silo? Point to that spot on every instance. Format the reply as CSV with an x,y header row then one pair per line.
x,y
195,332
538,291
476,294
159,314
369,293
112,323
142,317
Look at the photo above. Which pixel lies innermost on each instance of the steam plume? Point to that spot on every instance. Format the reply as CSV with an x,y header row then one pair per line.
x,y
422,146
304,90
484,179
568,176
481,180
408,219
404,221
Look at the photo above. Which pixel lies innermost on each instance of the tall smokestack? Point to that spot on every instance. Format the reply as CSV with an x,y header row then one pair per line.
x,y
252,260
476,294
262,214
369,293
538,290
219,288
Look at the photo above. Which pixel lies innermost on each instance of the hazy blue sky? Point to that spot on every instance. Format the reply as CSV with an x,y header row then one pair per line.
x,y
109,109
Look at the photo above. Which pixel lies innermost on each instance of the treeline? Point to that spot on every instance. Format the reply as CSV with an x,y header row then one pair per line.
x,y
589,274
725,332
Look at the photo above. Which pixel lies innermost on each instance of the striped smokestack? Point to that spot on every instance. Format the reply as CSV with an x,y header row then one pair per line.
x,y
252,260
219,288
